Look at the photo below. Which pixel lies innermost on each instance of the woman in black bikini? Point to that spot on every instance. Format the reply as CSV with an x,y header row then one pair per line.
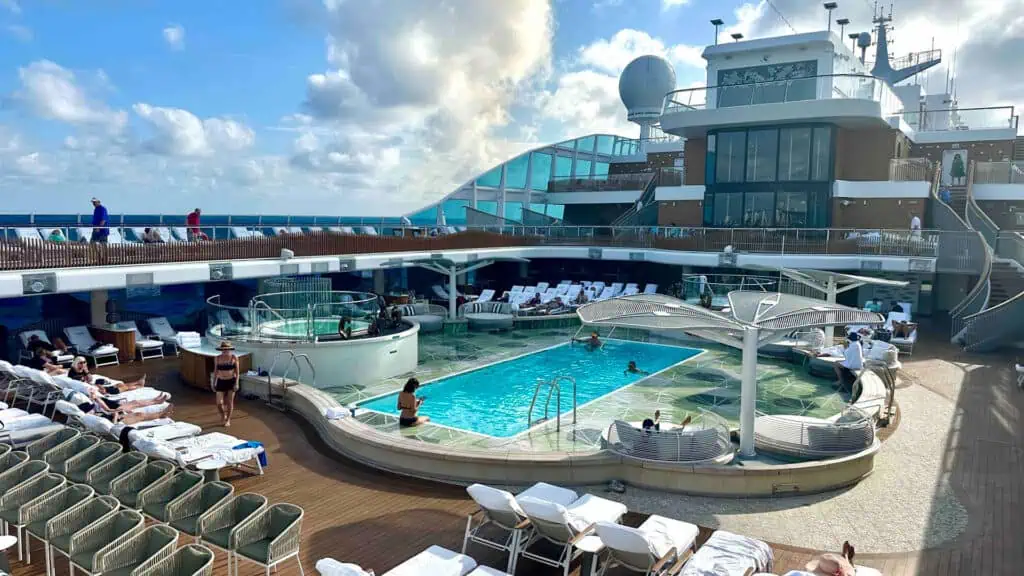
x,y
409,405
225,381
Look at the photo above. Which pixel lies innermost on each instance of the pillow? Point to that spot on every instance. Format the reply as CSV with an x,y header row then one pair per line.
x,y
331,567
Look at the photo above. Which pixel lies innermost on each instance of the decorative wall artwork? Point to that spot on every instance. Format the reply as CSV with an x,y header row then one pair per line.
x,y
768,73
954,167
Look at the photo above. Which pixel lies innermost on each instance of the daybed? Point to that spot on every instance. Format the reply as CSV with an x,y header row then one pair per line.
x,y
430,317
693,443
809,438
487,315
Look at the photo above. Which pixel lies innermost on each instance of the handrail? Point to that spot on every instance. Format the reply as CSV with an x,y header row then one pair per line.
x,y
573,380
977,299
295,362
988,228
553,387
270,373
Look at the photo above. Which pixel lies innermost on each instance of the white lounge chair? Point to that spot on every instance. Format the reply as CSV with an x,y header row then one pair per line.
x,y
25,354
161,329
86,345
616,289
434,561
211,451
500,509
572,294
343,230
28,234
655,546
180,233
146,348
18,427
229,326
597,286
728,553
903,343
605,294
561,525
485,296
542,286
368,230
651,289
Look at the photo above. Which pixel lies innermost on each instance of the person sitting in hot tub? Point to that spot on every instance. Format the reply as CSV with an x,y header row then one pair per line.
x,y
632,369
345,328
409,405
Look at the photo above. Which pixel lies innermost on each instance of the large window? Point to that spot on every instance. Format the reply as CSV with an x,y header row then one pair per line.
x,y
794,151
762,155
759,209
563,167
515,172
728,209
540,171
582,169
732,149
492,179
821,157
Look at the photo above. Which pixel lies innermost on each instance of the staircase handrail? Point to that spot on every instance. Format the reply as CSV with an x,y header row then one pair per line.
x,y
646,198
1003,319
980,220
936,182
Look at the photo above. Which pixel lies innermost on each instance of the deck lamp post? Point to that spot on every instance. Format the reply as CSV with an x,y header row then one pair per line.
x,y
830,6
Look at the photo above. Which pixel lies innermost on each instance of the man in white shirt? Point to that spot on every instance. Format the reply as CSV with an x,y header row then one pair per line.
x,y
853,359
915,227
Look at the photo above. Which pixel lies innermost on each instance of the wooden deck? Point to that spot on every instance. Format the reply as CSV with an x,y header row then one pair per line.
x,y
377,520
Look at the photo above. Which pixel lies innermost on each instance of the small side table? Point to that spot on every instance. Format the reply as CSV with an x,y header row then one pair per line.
x,y
591,546
211,468
5,543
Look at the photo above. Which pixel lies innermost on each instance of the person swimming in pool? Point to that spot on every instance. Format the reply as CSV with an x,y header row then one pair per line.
x,y
409,405
632,369
592,343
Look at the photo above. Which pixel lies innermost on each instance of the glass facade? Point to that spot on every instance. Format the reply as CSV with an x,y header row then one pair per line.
x,y
769,177
586,157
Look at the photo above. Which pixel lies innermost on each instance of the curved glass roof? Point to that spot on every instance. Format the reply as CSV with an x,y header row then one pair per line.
x,y
526,179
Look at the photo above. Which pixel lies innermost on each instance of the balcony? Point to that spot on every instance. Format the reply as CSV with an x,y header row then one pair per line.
x,y
844,99
617,182
911,170
1011,172
950,125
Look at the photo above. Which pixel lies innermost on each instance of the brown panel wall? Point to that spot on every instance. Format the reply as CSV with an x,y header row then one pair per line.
x,y
1003,212
694,157
996,151
654,160
864,154
891,213
685,213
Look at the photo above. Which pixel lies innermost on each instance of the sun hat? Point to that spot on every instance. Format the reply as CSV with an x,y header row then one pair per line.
x,y
225,345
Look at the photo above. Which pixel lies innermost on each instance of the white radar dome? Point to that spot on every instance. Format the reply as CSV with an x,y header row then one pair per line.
x,y
643,85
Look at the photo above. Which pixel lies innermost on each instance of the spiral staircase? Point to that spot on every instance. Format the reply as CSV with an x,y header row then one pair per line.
x,y
988,318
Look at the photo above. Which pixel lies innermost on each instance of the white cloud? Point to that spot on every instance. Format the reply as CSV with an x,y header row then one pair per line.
x,y
174,35
669,4
19,32
52,92
177,132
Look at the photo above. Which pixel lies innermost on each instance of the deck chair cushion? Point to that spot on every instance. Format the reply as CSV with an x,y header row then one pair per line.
x,y
331,567
435,561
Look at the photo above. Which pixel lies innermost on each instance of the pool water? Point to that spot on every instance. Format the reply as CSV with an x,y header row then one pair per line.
x,y
495,400
298,328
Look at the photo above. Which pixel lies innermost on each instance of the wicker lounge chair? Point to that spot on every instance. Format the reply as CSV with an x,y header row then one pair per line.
x,y
89,544
77,467
217,526
184,513
41,510
190,560
127,487
102,475
151,544
269,537
14,501
154,500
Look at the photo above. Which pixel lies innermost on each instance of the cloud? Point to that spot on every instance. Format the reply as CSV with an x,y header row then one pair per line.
x,y
177,132
19,32
670,4
52,92
174,35
585,97
987,37
437,83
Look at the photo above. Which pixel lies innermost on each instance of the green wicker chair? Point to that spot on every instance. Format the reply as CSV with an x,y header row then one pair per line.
x,y
4,449
183,513
153,501
269,537
38,512
21,473
190,560
217,525
12,459
126,487
16,499
102,475
151,544
58,456
39,447
88,544
61,528
76,469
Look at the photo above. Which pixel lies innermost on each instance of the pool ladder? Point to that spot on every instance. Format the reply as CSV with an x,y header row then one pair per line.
x,y
553,387
293,361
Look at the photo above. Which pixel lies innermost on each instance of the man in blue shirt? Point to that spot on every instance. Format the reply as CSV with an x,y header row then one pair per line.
x,y
100,220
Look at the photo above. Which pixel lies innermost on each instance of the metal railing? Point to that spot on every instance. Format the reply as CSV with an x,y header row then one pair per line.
x,y
611,182
947,245
1005,172
910,170
822,87
976,217
954,119
977,299
999,325
553,387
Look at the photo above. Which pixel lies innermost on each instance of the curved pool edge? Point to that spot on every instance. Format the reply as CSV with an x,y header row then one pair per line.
x,y
391,453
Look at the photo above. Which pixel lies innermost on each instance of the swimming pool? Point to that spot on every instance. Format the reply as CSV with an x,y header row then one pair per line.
x,y
494,400
300,327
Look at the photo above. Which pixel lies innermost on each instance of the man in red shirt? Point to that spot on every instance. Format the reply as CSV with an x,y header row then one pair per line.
x,y
194,233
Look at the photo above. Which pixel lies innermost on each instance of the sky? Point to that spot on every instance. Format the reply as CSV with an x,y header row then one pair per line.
x,y
372,107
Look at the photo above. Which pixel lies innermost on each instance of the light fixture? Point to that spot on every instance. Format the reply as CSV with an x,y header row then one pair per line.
x,y
737,37
830,6
853,36
717,23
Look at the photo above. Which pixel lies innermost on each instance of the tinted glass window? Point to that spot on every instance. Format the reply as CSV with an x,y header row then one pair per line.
x,y
540,171
731,149
515,172
762,154
794,153
758,209
821,154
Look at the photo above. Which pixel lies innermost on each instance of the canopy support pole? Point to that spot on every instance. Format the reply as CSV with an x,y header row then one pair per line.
x,y
748,392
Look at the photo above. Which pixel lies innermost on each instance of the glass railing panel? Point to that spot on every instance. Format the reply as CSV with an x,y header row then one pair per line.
x,y
1007,172
910,170
950,119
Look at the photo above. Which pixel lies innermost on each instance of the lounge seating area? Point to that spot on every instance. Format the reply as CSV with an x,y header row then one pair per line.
x,y
704,441
557,527
544,298
487,316
808,438
430,317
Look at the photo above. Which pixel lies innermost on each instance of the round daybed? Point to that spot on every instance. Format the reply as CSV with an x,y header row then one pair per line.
x,y
487,315
430,317
691,444
808,438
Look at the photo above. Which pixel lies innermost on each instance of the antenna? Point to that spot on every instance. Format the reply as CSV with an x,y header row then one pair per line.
x,y
717,23
830,6
842,25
